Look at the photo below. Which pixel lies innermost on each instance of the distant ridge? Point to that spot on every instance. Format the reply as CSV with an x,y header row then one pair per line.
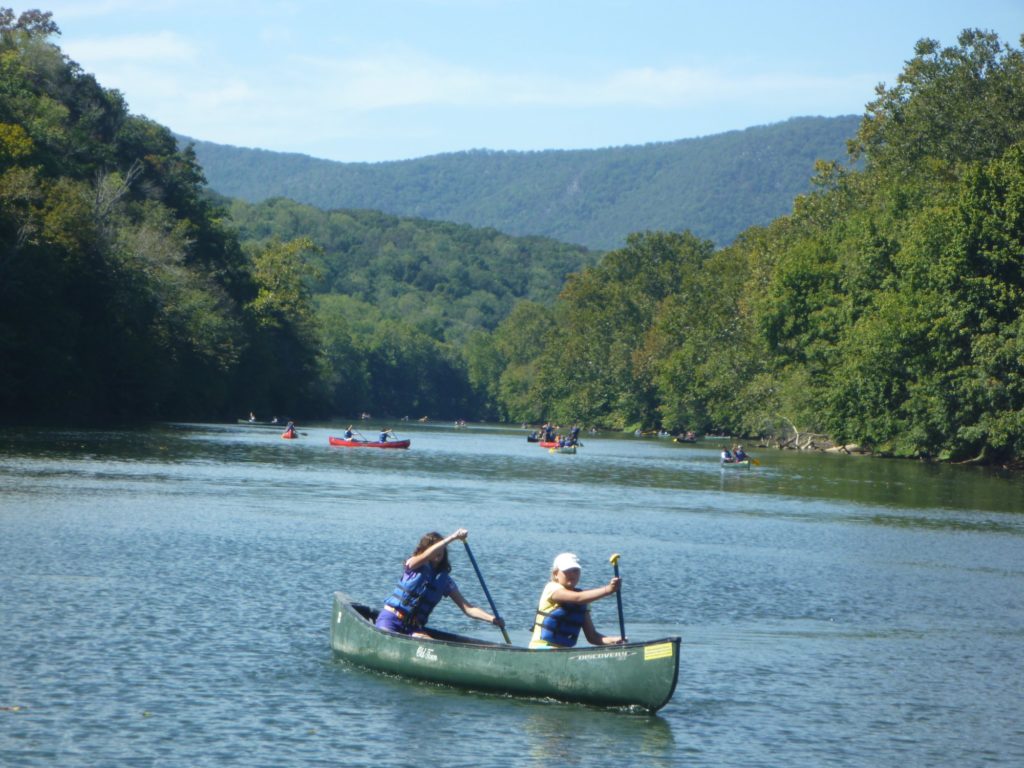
x,y
716,186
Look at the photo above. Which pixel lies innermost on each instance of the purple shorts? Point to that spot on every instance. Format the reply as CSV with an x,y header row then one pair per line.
x,y
390,622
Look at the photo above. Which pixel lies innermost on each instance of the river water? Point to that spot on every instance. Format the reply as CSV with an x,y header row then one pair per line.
x,y
165,600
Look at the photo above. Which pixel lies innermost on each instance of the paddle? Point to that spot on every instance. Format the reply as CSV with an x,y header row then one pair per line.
x,y
614,560
490,600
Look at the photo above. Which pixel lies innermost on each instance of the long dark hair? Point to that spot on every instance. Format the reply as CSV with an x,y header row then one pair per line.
x,y
429,540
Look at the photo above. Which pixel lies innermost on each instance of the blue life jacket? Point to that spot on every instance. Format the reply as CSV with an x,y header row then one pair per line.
x,y
417,594
562,625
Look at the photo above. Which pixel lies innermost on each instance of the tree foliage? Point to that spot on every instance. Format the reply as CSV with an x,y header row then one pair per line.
x,y
445,279
122,293
886,309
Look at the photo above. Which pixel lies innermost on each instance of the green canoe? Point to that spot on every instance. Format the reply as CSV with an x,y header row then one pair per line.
x,y
635,674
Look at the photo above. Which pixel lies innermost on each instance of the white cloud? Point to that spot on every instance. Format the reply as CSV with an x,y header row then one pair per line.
x,y
276,94
229,93
402,80
378,82
98,8
162,46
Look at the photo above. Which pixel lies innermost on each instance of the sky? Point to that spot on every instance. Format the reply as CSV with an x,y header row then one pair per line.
x,y
379,80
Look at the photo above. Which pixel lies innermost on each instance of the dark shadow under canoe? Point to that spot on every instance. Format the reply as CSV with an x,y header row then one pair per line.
x,y
634,674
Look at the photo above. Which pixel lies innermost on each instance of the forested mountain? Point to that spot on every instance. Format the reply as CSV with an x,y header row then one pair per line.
x,y
445,279
400,301
715,186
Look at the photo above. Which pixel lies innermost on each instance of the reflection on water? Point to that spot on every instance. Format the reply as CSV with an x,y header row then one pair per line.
x,y
573,735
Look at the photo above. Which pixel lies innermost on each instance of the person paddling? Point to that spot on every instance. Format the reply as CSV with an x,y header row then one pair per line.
x,y
564,609
424,582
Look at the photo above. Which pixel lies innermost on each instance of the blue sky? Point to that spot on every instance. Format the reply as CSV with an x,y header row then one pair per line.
x,y
372,80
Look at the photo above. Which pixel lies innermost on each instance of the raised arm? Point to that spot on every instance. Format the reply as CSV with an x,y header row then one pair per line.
x,y
416,561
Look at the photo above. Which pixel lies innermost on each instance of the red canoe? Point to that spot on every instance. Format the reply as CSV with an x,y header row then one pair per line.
x,y
367,443
548,444
290,435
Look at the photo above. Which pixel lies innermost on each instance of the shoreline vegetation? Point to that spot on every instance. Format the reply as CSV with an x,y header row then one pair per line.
x,y
885,312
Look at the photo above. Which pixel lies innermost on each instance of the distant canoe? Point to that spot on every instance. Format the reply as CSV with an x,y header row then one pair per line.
x,y
563,449
634,674
735,464
343,443
269,424
290,435
548,444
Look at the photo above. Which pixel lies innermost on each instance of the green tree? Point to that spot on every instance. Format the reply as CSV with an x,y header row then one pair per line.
x,y
950,106
347,374
592,368
517,345
282,369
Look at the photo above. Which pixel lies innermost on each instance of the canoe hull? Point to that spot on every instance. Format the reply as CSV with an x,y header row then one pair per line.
x,y
342,443
636,674
564,449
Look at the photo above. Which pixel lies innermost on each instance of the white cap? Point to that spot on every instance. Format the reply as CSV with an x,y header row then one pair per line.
x,y
566,562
